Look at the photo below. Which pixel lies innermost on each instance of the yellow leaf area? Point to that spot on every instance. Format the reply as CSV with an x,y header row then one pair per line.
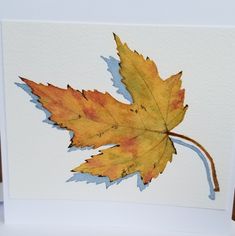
x,y
138,130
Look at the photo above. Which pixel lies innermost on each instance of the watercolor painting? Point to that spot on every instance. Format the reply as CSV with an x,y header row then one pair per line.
x,y
139,134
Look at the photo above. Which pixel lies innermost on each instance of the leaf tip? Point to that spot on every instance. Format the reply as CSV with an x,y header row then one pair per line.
x,y
117,40
70,145
68,86
23,79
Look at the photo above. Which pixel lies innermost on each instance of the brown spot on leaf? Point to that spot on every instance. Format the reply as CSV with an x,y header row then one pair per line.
x,y
93,162
129,145
178,101
90,113
97,97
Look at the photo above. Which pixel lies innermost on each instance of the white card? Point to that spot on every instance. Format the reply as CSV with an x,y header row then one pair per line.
x,y
39,161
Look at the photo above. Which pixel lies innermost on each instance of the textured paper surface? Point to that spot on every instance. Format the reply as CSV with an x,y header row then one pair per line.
x,y
61,54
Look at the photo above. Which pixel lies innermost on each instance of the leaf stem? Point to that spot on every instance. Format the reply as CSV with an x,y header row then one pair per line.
x,y
213,170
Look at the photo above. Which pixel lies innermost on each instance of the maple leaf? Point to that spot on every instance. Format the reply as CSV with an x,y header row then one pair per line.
x,y
140,130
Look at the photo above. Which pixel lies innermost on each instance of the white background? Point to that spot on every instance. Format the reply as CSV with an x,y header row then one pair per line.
x,y
210,13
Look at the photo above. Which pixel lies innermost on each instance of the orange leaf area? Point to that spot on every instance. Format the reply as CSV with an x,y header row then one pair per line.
x,y
138,130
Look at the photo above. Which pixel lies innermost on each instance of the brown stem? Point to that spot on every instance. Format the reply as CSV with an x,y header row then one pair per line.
x,y
214,176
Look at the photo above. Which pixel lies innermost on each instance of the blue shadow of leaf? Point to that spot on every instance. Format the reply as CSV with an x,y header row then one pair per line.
x,y
205,163
113,68
38,105
88,178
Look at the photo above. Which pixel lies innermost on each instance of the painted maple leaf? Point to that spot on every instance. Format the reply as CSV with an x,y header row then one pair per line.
x,y
140,131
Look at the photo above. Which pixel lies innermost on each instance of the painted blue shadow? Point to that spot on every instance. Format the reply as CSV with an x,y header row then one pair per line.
x,y
113,68
38,105
204,160
88,178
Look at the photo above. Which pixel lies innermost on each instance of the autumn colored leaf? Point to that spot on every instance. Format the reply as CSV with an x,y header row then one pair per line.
x,y
140,131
